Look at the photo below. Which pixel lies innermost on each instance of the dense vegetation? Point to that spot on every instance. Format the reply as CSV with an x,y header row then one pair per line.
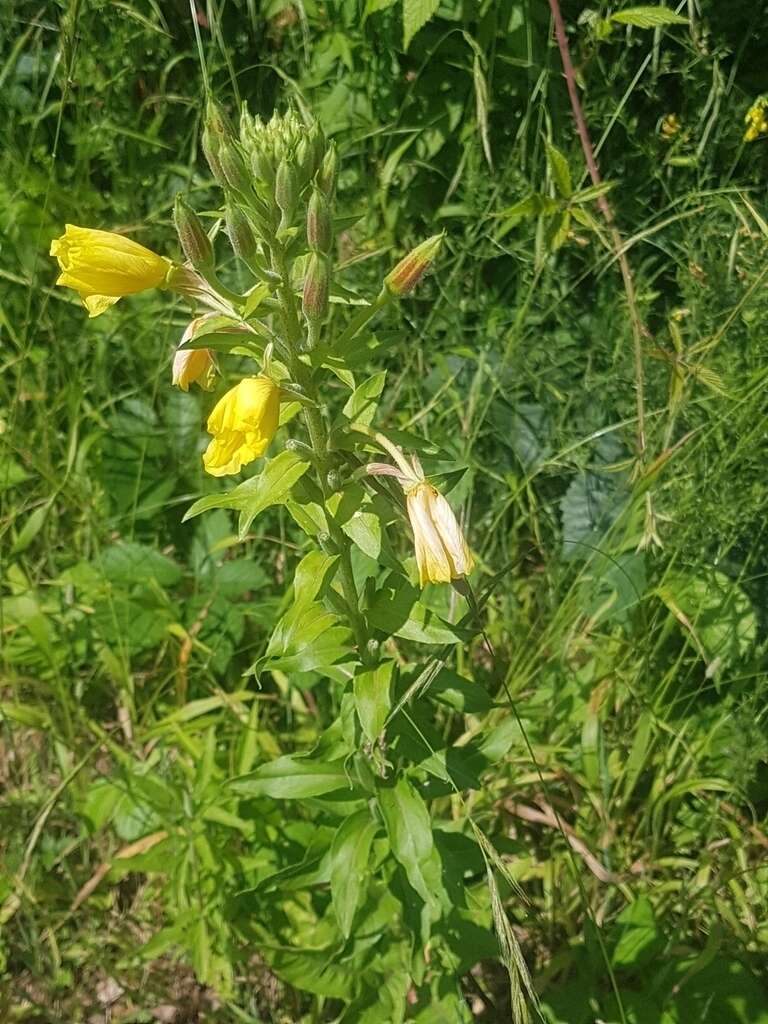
x,y
577,793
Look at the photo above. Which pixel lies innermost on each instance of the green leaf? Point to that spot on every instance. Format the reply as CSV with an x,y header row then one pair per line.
x,y
255,297
308,637
410,837
128,562
561,174
362,403
416,14
270,487
715,612
397,609
648,17
373,698
291,778
639,937
350,854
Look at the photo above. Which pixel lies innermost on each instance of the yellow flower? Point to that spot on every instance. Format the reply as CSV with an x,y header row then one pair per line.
x,y
756,119
192,365
242,423
442,553
102,266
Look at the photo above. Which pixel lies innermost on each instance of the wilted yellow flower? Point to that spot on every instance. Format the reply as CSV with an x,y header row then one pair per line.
x,y
103,266
756,119
243,423
442,553
192,365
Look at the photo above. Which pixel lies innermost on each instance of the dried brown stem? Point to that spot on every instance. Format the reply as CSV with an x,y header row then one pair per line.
x,y
605,208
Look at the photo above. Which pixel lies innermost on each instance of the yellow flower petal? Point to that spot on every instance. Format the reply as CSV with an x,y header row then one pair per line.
x,y
442,553
102,265
243,424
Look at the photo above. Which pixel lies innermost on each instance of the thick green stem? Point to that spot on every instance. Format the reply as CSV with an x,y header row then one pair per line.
x,y
318,436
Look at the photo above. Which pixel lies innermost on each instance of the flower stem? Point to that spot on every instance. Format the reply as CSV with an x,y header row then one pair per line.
x,y
318,436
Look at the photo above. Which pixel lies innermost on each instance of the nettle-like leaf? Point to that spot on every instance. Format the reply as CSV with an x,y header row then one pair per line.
x,y
416,14
648,17
271,487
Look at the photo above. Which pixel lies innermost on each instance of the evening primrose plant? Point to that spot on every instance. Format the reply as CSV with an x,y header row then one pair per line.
x,y
367,618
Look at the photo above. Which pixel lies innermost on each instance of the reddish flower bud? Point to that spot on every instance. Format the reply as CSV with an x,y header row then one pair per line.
x,y
316,287
410,270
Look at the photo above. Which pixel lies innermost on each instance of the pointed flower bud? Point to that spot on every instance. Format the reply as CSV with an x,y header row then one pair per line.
x,y
319,223
326,176
192,365
240,233
102,266
192,235
410,270
235,174
316,287
442,553
286,191
242,423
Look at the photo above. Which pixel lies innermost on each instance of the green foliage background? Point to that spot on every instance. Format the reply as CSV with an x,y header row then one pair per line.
x,y
627,835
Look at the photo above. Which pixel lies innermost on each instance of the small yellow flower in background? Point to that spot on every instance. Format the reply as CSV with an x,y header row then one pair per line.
x,y
670,126
756,119
242,423
192,365
103,266
442,553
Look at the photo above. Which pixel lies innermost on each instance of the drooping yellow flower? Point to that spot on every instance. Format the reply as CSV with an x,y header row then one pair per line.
x,y
103,266
192,365
242,423
442,553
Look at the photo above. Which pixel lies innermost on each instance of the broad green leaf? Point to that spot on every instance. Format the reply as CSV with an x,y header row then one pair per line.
x,y
255,297
373,698
716,613
561,174
416,14
410,837
362,403
270,487
128,562
308,637
292,777
397,609
639,938
459,693
350,854
648,17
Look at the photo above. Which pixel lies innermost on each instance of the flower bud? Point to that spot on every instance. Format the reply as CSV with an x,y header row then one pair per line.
x,y
210,144
305,159
319,223
317,141
286,189
192,235
240,233
316,287
410,270
233,169
326,176
262,167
